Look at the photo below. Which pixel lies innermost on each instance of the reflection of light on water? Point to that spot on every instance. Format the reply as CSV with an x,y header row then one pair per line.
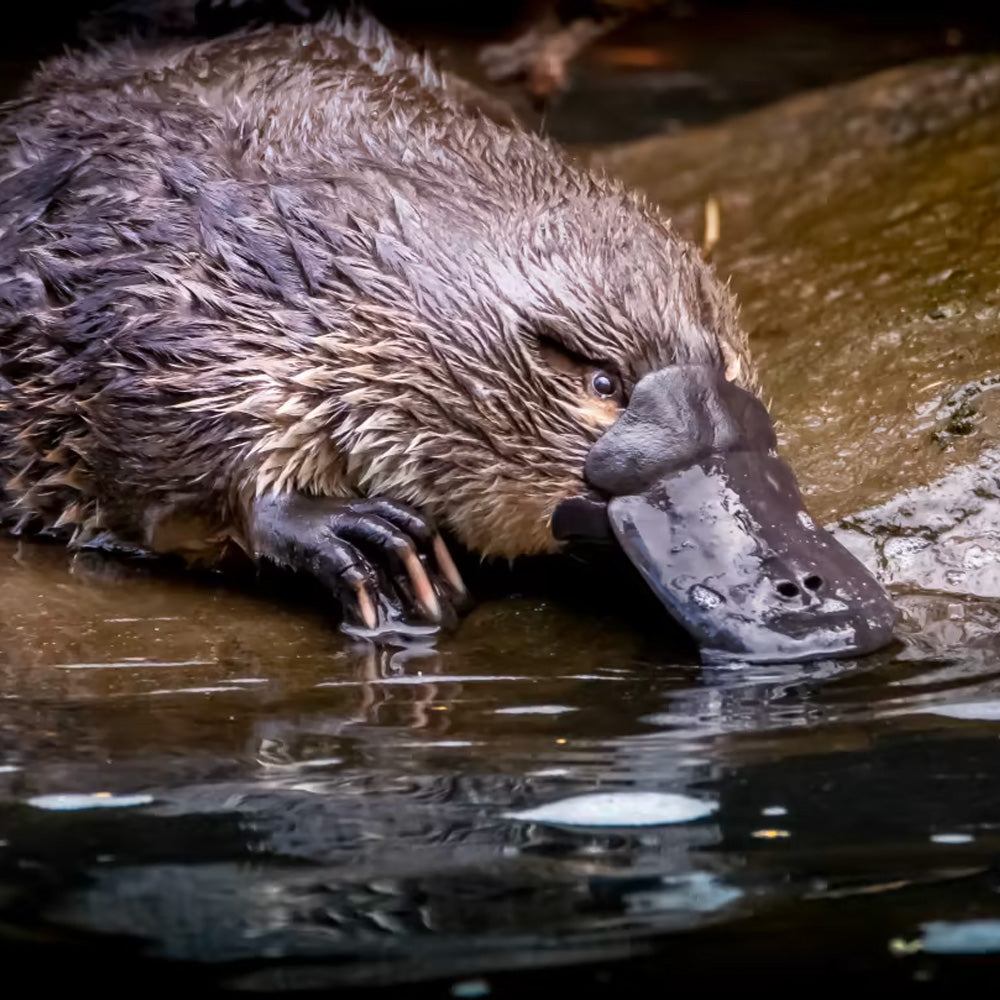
x,y
961,937
156,618
952,838
426,744
470,988
534,710
424,679
133,663
68,802
697,892
209,689
749,698
985,711
619,809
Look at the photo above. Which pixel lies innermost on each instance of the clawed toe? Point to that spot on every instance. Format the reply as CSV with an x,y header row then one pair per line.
x,y
423,589
448,568
386,563
363,605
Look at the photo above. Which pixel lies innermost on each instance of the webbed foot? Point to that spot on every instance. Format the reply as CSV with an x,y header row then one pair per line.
x,y
385,562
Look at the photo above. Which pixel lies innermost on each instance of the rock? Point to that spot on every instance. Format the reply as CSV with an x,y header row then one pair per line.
x,y
860,225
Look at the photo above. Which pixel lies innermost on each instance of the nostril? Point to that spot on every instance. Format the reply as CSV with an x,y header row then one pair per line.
x,y
813,582
787,589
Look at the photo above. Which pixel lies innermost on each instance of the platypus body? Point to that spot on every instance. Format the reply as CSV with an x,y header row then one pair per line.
x,y
283,293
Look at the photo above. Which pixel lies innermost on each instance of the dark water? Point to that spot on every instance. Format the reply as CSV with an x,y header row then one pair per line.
x,y
311,812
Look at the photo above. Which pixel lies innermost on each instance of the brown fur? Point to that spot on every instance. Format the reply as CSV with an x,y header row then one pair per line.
x,y
293,260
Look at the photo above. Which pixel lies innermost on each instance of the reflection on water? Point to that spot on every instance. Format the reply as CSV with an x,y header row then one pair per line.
x,y
239,783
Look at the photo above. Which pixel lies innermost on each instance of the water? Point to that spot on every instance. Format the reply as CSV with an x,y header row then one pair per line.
x,y
250,797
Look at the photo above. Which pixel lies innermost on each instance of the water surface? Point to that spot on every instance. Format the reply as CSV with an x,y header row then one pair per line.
x,y
242,788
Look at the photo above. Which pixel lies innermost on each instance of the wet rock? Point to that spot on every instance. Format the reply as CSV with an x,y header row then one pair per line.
x,y
861,228
944,536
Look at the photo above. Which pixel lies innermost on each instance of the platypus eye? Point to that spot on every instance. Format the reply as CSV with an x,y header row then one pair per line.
x,y
603,384
599,377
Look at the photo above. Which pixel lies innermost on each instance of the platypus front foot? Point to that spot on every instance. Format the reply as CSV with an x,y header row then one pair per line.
x,y
384,561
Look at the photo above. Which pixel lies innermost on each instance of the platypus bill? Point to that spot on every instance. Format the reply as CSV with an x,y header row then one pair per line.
x,y
286,294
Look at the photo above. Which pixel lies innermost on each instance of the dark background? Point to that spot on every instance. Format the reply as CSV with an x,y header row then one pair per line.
x,y
679,63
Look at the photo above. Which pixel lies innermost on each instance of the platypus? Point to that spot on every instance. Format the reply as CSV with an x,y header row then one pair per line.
x,y
285,293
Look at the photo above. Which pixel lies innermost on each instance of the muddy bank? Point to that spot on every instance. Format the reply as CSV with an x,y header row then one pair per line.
x,y
859,225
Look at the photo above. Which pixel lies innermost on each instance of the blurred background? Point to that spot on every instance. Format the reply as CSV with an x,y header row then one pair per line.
x,y
587,71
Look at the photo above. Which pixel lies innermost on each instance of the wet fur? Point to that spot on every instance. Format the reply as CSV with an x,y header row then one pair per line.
x,y
294,260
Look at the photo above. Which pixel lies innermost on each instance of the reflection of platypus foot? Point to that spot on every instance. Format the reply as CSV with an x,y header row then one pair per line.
x,y
279,292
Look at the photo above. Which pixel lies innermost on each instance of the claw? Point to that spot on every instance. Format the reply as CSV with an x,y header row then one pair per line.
x,y
365,605
422,587
375,554
447,566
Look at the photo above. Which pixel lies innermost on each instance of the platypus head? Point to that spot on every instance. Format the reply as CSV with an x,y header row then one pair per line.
x,y
537,357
